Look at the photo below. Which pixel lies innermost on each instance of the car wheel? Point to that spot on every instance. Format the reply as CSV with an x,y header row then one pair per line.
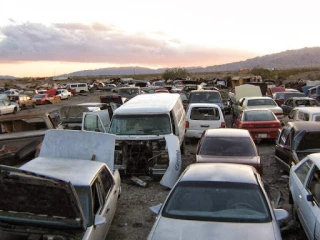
x,y
23,107
47,102
15,110
33,105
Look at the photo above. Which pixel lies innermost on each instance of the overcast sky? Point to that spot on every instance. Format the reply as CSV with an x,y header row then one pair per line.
x,y
47,38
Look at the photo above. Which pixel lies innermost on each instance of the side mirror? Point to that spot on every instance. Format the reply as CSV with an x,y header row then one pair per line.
x,y
280,214
99,220
156,209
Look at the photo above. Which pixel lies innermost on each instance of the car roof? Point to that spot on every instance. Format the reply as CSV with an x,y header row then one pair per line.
x,y
308,109
78,172
203,90
301,98
227,132
191,105
305,125
256,109
315,157
220,172
252,98
149,103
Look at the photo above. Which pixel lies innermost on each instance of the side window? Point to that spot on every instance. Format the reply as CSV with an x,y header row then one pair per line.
x,y
303,171
106,180
285,137
97,197
314,184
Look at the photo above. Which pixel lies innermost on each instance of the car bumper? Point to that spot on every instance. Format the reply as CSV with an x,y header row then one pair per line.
x,y
194,133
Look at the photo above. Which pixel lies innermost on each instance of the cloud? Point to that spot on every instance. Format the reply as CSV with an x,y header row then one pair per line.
x,y
99,43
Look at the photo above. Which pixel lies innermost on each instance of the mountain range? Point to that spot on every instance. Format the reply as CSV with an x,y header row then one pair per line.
x,y
301,58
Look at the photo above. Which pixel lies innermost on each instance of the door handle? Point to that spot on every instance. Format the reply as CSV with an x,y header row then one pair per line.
x,y
115,191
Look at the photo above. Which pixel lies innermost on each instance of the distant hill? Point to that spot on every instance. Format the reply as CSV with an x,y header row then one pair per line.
x,y
7,77
302,58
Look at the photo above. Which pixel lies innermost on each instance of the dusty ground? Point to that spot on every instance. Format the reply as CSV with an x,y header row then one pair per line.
x,y
134,220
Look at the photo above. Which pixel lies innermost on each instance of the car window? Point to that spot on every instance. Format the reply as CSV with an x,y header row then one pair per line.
x,y
261,102
303,170
258,116
205,113
227,146
313,186
217,201
285,137
97,197
106,180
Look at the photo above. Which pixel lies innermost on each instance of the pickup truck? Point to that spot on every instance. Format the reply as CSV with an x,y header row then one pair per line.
x,y
20,135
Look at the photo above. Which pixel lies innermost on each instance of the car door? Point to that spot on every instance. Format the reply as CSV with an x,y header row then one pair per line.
x,y
2,107
283,147
287,107
302,184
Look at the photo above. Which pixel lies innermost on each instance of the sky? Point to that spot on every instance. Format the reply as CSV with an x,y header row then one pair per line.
x,y
49,38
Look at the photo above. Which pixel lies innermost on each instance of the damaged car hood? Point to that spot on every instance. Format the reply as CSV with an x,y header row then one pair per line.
x,y
25,200
92,146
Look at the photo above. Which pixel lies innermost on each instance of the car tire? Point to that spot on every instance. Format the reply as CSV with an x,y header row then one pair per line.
x,y
33,105
15,110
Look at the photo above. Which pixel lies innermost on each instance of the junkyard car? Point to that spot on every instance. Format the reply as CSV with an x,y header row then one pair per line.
x,y
206,96
7,107
68,192
295,141
228,146
71,115
217,201
256,102
261,123
293,102
45,99
281,97
24,101
304,183
63,94
302,114
202,116
20,135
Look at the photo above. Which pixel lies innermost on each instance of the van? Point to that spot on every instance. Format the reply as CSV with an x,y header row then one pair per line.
x,y
314,93
79,87
146,128
202,116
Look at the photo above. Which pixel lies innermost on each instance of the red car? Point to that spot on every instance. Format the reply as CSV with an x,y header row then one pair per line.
x,y
45,99
261,123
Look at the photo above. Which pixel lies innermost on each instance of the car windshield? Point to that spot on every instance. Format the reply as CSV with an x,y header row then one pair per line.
x,y
205,97
140,124
261,102
227,146
128,91
217,201
258,116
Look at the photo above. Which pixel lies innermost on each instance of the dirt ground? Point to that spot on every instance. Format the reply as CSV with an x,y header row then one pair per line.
x,y
134,220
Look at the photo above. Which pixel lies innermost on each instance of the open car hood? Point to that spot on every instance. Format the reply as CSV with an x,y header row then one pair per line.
x,y
81,145
31,199
74,114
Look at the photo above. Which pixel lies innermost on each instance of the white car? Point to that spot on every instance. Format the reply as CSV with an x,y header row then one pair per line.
x,y
7,107
302,114
304,183
256,102
217,201
202,116
63,94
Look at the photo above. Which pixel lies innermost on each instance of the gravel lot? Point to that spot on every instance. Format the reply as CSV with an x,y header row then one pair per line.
x,y
134,220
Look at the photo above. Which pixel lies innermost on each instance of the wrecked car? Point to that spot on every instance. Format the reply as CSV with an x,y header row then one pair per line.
x,y
21,134
69,192
71,115
143,147
296,140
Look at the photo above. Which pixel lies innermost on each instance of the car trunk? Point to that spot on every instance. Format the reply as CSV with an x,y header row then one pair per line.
x,y
262,129
202,118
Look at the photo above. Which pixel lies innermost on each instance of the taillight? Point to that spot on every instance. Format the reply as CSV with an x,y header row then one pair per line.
x,y
187,124
223,125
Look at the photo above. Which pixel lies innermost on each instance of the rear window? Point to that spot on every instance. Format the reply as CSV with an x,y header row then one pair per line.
x,y
258,116
205,113
227,146
205,97
261,102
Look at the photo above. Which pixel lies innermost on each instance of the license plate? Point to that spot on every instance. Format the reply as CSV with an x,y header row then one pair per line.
x,y
262,135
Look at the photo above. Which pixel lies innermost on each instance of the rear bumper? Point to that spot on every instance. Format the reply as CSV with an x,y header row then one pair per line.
x,y
264,134
194,133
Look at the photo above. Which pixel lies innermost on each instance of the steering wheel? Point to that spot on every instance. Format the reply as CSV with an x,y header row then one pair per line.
x,y
241,205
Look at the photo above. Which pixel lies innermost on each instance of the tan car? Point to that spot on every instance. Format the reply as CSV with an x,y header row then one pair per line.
x,y
228,145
